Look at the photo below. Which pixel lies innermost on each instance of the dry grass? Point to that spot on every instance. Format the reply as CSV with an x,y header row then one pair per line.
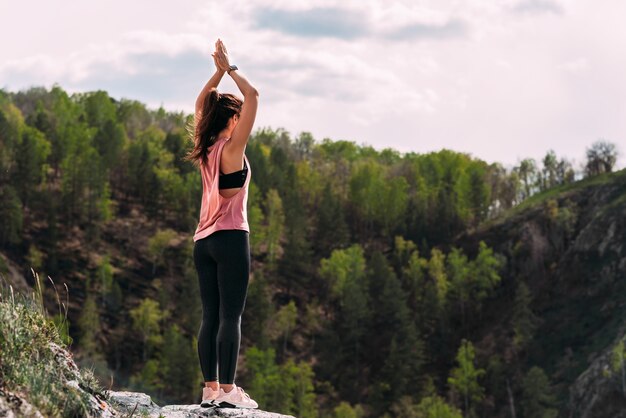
x,y
28,366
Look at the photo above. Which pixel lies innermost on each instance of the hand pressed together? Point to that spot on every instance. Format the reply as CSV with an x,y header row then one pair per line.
x,y
220,56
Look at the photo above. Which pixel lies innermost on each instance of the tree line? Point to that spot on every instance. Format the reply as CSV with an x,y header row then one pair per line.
x,y
358,306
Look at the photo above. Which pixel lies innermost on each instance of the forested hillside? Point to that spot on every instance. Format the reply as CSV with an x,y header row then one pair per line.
x,y
383,284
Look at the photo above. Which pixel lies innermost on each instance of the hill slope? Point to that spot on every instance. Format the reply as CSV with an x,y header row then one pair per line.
x,y
569,246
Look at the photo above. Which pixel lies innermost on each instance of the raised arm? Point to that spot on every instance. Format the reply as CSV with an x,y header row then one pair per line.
x,y
214,81
241,132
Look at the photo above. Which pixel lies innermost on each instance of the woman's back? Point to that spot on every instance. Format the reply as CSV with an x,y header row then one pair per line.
x,y
216,211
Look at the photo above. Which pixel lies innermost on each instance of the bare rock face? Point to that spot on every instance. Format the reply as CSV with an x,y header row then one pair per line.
x,y
598,391
142,405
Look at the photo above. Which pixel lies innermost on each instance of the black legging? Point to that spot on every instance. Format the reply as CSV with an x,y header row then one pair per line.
x,y
223,263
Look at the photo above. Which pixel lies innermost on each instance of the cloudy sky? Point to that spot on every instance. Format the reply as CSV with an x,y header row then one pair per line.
x,y
499,79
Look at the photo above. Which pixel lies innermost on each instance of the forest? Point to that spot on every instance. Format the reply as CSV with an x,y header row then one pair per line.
x,y
365,299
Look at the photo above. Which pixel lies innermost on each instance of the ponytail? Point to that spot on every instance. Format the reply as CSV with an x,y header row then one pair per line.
x,y
217,109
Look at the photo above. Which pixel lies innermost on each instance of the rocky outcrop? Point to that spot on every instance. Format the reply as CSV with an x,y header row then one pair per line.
x,y
111,404
597,391
143,405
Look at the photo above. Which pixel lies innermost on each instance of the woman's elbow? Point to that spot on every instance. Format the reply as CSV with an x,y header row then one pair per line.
x,y
252,92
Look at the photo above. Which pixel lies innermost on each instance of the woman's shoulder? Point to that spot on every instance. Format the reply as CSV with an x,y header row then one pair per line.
x,y
216,144
223,139
210,155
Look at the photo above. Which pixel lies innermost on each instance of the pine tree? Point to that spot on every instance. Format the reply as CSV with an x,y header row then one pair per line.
x,y
402,251
436,407
179,366
157,244
538,400
75,170
331,228
464,378
256,218
395,351
479,192
367,186
421,297
258,311
263,375
402,367
295,264
283,322
149,379
344,273
11,215
189,314
89,327
286,388
11,127
438,277
105,274
524,321
30,156
485,270
436,289
147,317
144,154
458,270
298,377
275,227
109,141
345,410
394,205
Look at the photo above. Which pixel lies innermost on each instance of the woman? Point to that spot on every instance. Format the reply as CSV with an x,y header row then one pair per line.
x,y
221,251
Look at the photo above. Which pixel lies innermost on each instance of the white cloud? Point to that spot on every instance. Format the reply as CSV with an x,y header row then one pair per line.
x,y
576,66
538,6
503,80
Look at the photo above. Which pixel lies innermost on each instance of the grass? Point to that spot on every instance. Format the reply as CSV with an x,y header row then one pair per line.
x,y
27,361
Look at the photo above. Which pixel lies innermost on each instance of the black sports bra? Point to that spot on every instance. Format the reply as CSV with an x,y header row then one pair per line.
x,y
234,179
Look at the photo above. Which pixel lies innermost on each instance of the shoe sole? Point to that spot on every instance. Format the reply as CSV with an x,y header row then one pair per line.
x,y
225,404
208,404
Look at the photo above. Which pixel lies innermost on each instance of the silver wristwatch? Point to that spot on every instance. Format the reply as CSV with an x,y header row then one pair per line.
x,y
231,67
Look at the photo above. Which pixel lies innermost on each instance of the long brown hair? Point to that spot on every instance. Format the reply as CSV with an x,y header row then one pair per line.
x,y
217,109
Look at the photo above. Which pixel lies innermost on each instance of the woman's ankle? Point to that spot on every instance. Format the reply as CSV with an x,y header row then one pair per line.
x,y
227,387
213,384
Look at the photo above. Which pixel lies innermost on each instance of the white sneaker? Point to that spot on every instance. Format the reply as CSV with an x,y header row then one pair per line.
x,y
236,398
208,397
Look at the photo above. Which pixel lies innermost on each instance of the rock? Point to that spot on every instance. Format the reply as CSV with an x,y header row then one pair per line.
x,y
597,392
127,402
113,404
14,406
198,411
66,362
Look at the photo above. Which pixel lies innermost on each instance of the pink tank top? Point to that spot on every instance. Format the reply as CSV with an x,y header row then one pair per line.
x,y
218,212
